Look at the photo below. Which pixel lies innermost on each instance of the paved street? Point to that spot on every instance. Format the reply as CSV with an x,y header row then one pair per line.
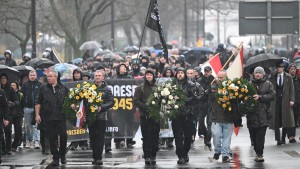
x,y
276,157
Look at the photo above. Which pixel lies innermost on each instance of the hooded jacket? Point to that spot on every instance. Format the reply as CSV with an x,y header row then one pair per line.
x,y
4,105
122,76
142,93
165,70
77,70
9,61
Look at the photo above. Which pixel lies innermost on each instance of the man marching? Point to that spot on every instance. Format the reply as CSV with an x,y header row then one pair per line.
x,y
150,128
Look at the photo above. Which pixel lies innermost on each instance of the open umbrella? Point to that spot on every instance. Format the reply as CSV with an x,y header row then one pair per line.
x,y
77,61
24,70
90,45
264,60
131,49
12,73
65,70
40,63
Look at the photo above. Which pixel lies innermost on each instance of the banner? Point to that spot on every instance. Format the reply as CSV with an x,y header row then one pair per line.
x,y
153,22
123,117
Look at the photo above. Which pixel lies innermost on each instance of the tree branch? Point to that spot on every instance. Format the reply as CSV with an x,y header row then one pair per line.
x,y
107,23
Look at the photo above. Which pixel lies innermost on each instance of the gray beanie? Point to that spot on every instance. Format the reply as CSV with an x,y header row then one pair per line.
x,y
259,70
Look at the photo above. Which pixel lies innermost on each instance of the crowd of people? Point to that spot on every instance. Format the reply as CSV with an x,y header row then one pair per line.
x,y
37,103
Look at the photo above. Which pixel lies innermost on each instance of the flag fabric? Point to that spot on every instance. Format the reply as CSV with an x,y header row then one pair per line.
x,y
199,42
236,130
153,22
214,63
80,115
235,70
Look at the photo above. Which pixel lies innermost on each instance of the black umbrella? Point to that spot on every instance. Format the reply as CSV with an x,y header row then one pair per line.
x,y
23,69
40,63
159,46
12,73
264,60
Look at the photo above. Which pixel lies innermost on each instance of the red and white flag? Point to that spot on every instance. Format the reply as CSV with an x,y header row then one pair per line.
x,y
80,115
235,69
214,63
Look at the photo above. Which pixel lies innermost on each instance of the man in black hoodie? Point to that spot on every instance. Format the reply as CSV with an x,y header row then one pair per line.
x,y
150,128
12,103
9,61
3,114
182,125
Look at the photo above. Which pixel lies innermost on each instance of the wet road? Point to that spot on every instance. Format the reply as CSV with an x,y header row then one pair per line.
x,y
276,157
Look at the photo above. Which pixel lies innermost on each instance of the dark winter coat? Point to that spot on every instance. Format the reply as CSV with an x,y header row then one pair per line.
x,y
108,101
12,100
296,81
205,84
10,62
51,100
30,90
288,95
142,93
3,105
262,116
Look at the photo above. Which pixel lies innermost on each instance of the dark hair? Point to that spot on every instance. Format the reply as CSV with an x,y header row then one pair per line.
x,y
17,84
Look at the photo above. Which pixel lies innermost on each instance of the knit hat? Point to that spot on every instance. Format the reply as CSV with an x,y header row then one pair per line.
x,y
293,65
259,70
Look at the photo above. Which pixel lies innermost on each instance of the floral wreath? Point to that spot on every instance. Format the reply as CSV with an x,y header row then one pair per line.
x,y
239,90
91,97
165,101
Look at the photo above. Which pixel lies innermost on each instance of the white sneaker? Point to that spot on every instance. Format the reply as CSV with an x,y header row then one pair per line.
x,y
31,145
36,145
27,145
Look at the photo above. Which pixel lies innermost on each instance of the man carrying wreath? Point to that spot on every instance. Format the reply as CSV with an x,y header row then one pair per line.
x,y
150,128
97,126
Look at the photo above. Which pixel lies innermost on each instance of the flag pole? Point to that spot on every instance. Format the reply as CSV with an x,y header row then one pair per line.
x,y
144,29
238,48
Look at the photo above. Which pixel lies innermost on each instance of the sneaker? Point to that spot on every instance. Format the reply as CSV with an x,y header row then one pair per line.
x,y
225,159
13,149
107,150
181,161
147,161
55,163
97,162
259,158
153,160
186,159
31,145
292,140
216,156
36,145
122,143
63,160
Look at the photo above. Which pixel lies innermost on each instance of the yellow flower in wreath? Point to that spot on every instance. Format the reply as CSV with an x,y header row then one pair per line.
x,y
242,89
92,109
246,98
87,96
84,82
100,94
84,90
78,86
77,97
229,81
88,85
224,106
228,103
236,93
81,94
229,109
98,100
94,87
239,82
246,91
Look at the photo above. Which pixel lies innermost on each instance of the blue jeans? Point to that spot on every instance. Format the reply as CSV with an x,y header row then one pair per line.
x,y
221,133
36,133
28,114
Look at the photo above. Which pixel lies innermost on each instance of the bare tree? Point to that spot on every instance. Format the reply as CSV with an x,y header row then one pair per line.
x,y
15,20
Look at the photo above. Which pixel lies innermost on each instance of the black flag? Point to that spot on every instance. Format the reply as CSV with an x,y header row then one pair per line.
x,y
153,22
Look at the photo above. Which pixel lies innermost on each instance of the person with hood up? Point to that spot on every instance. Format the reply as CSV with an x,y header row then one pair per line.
x,y
12,103
136,69
258,121
282,106
182,125
144,61
9,61
149,127
168,72
26,58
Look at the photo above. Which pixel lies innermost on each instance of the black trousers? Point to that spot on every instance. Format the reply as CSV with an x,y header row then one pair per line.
x,y
1,135
97,134
258,137
54,129
44,140
202,130
17,122
183,130
150,132
6,139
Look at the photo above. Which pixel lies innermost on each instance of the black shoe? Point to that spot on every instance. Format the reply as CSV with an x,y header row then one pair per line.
x,y
216,156
97,162
170,144
292,140
186,159
147,161
63,160
72,148
8,152
107,150
55,163
181,161
225,159
13,149
118,145
132,142
279,143
153,160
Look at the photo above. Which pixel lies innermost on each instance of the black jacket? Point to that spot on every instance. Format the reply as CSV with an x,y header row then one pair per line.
x,y
29,90
141,95
4,105
205,84
12,100
51,100
10,62
108,101
262,116
296,81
